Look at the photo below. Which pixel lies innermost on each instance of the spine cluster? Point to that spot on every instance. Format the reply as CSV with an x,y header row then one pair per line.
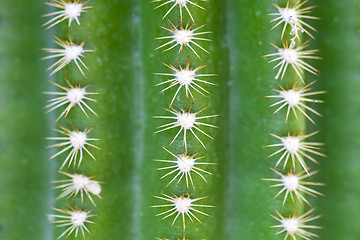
x,y
187,83
72,145
294,150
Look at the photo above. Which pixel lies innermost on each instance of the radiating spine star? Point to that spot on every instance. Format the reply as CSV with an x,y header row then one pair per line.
x,y
182,4
183,206
69,52
295,98
187,121
186,78
74,219
294,57
295,184
183,37
295,148
75,141
68,10
78,183
295,226
293,16
185,164
75,95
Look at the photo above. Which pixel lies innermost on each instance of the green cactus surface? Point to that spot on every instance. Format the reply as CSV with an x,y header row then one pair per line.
x,y
126,66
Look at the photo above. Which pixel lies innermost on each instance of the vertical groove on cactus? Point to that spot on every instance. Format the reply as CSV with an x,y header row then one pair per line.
x,y
140,119
247,119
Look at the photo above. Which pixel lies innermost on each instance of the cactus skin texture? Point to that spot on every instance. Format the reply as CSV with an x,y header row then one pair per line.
x,y
123,34
24,170
340,75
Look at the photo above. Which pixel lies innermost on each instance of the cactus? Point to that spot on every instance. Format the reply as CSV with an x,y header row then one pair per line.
x,y
110,96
